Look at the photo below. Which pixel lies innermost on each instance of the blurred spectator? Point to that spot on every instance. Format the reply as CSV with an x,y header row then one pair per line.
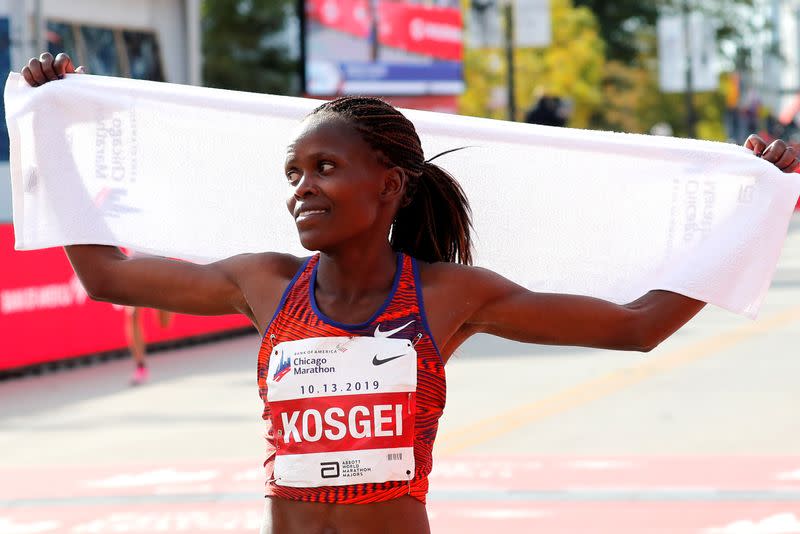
x,y
548,111
662,128
134,334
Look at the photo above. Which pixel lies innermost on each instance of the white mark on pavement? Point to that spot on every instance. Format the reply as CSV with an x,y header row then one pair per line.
x,y
479,469
599,465
789,475
8,526
786,523
502,513
250,475
153,478
188,521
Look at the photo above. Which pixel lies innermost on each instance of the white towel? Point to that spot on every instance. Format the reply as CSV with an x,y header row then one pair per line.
x,y
197,173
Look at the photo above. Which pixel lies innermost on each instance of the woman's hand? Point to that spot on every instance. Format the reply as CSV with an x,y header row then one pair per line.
x,y
45,69
778,153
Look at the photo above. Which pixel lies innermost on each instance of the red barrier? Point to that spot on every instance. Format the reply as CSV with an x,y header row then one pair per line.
x,y
45,314
430,31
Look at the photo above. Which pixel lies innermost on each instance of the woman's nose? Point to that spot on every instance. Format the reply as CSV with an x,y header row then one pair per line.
x,y
305,186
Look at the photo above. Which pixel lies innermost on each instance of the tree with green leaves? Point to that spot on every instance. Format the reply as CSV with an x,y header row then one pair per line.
x,y
619,21
247,45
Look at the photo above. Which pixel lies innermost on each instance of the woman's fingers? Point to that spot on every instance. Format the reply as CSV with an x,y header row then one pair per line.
x,y
778,153
46,68
781,155
46,62
756,144
788,161
63,64
26,73
35,68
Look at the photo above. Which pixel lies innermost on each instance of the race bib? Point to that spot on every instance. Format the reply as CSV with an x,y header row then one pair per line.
x,y
343,410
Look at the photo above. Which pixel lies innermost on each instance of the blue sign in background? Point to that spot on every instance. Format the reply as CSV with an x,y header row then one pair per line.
x,y
5,67
440,71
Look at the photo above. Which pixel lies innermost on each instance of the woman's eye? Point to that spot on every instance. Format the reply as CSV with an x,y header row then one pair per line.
x,y
292,176
325,166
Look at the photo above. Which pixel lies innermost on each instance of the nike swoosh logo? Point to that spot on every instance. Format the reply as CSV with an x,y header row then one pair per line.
x,y
389,333
376,361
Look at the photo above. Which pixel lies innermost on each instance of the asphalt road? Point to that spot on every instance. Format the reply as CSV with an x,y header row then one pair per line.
x,y
702,435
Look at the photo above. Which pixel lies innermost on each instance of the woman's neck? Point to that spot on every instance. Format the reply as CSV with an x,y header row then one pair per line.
x,y
350,274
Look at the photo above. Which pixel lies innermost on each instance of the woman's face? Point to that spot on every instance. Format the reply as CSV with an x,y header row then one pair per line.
x,y
337,184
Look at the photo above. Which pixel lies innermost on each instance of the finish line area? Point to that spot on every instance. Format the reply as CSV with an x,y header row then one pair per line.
x,y
470,494
699,436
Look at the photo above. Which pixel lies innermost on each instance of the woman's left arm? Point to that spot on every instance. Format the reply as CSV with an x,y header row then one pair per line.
x,y
503,308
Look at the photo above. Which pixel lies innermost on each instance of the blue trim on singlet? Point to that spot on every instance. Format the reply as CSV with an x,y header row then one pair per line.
x,y
313,299
286,291
421,305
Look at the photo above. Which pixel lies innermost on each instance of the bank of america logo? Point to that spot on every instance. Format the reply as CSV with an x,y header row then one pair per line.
x,y
284,366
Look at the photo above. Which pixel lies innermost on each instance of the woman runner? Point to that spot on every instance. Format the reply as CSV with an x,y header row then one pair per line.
x,y
391,280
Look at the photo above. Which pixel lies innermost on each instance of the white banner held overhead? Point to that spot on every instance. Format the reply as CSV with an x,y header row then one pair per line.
x,y
197,173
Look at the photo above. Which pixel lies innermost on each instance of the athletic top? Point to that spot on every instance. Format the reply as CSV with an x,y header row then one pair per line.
x,y
351,411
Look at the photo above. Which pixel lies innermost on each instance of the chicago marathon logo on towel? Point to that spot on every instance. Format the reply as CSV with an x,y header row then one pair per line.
x,y
116,147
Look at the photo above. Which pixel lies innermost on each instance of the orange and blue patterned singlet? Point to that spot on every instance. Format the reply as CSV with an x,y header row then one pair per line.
x,y
348,408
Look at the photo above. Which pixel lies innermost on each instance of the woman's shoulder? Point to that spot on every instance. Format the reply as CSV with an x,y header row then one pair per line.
x,y
447,274
272,265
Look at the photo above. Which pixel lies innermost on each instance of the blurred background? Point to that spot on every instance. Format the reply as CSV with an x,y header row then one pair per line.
x,y
702,435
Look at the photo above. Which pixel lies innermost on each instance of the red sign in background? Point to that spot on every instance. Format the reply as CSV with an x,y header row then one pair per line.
x,y
45,314
431,31
348,16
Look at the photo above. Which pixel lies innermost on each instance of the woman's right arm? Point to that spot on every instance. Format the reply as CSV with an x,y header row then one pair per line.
x,y
154,282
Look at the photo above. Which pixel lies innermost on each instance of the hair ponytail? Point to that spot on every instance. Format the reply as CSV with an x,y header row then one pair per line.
x,y
436,223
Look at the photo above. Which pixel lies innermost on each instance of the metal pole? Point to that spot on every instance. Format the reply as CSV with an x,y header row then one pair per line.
x,y
194,43
38,29
509,16
691,115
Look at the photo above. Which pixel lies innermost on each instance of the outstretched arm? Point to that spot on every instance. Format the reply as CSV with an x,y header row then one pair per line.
x,y
503,308
166,284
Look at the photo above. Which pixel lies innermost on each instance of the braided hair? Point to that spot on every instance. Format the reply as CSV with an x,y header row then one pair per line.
x,y
434,220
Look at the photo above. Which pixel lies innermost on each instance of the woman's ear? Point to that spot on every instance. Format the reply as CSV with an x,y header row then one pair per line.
x,y
394,184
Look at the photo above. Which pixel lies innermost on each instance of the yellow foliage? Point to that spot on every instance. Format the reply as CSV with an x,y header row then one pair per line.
x,y
571,67
605,94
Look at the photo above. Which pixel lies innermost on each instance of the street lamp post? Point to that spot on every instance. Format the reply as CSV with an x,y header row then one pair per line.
x,y
508,10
